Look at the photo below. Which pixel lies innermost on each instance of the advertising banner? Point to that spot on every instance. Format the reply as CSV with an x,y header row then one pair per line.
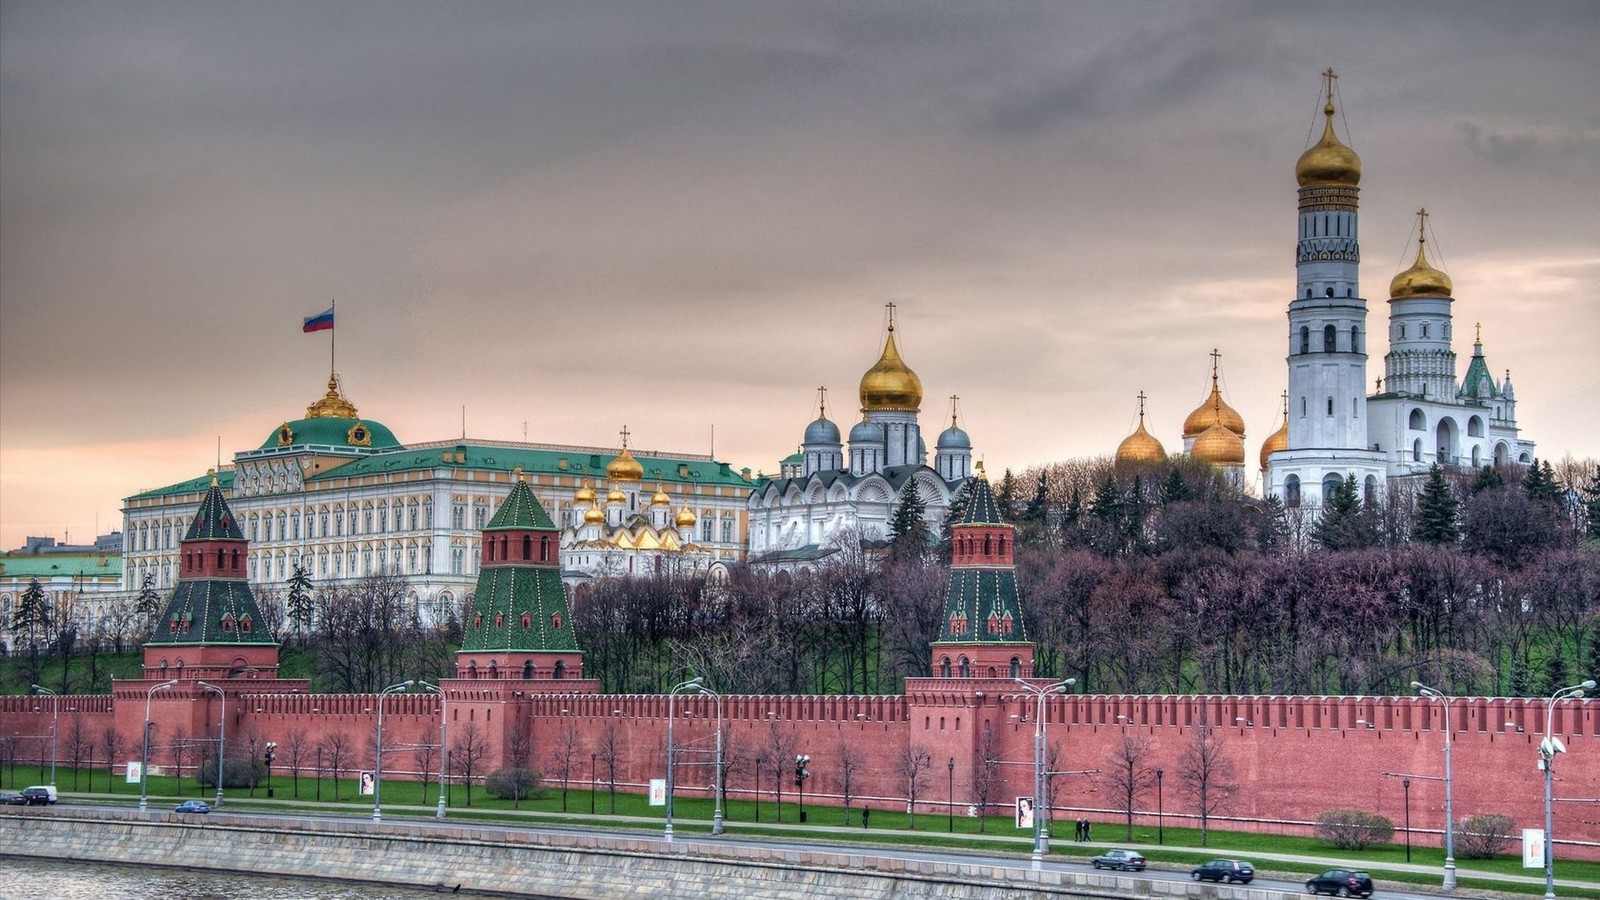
x,y
366,784
1025,812
1533,848
658,792
135,769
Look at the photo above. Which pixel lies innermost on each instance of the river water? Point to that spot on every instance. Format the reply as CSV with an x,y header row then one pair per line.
x,y
56,880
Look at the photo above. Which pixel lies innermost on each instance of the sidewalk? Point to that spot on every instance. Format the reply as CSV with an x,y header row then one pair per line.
x,y
1062,850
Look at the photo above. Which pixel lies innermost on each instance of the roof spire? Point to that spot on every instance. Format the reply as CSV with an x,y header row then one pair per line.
x,y
1141,407
954,408
890,306
822,402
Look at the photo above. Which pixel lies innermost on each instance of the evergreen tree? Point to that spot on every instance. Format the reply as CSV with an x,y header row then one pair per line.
x,y
1106,518
1272,534
298,604
1345,523
32,613
1541,484
1556,674
1437,511
1035,508
1521,685
1488,477
1591,505
908,533
1176,487
1134,511
1006,497
1072,520
148,603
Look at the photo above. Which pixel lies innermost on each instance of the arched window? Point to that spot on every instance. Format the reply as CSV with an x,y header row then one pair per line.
x,y
944,667
494,669
1475,427
1330,406
1016,667
527,669
1305,334
472,670
1291,492
966,668
1330,486
1355,339
221,557
1417,421
527,620
527,546
1330,339
544,548
1416,450
986,543
560,670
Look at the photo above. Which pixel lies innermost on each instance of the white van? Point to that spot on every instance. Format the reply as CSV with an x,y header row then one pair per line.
x,y
40,794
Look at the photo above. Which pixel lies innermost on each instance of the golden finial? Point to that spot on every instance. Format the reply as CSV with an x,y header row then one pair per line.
x,y
212,473
978,470
1477,332
1216,358
624,437
954,400
822,402
517,474
1141,407
1285,404
890,306
1329,76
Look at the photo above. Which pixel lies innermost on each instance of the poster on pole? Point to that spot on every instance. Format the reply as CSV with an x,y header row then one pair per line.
x,y
1533,848
1024,812
658,792
135,770
366,784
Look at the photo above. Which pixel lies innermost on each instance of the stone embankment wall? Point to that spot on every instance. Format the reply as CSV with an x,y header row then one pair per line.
x,y
537,864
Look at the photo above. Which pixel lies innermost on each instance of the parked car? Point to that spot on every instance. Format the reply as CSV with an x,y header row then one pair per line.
x,y
12,798
193,806
1126,860
1229,870
1342,882
39,795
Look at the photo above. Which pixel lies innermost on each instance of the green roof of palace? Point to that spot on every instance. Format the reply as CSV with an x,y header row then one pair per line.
x,y
520,511
332,431
55,565
191,486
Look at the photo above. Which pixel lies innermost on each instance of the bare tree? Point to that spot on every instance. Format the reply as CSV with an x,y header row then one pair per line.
x,y
780,749
608,749
1127,775
985,777
424,755
849,763
78,743
468,755
335,747
517,754
1206,775
113,745
563,758
913,765
297,749
181,745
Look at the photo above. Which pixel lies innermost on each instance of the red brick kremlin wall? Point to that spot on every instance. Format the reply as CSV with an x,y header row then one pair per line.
x,y
1294,756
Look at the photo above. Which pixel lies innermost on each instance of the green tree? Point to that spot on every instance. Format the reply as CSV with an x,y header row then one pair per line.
x,y
908,533
148,603
300,603
1487,477
1035,509
1106,514
1006,497
1176,488
30,620
1591,505
1541,484
1437,511
1346,523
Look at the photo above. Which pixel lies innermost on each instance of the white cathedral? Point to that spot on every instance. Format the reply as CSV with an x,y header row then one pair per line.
x,y
1420,414
798,517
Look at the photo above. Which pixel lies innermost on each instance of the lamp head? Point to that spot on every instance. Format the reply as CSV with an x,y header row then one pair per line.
x,y
1588,685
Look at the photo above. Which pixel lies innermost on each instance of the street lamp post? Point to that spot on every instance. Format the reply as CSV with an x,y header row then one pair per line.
x,y
1041,839
55,703
1449,810
692,685
717,814
801,773
1161,813
1405,784
268,757
593,789
377,768
144,752
444,724
950,807
222,737
1548,748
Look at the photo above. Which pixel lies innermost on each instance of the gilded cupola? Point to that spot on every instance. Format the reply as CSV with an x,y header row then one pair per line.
x,y
1141,446
1328,161
624,467
1218,446
890,384
1279,439
594,516
585,494
1214,410
660,498
685,517
1422,279
332,405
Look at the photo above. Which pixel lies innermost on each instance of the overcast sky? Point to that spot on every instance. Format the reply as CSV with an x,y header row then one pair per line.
x,y
682,215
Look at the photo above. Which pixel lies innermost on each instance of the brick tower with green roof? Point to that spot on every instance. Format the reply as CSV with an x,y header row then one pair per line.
x,y
212,626
982,635
519,626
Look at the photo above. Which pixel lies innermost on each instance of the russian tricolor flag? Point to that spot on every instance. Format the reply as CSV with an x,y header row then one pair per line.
x,y
322,321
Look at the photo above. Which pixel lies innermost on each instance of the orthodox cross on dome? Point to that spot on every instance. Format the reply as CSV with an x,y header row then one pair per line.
x,y
1285,397
822,401
1216,358
624,437
890,307
1141,406
955,400
1329,76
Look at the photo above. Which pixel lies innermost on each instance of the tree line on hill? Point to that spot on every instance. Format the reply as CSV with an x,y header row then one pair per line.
x,y
1160,579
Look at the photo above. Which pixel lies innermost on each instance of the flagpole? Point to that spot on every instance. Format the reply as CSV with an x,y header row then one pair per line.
x,y
333,340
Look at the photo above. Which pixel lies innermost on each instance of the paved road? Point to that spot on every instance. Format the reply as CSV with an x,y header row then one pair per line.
x,y
1068,856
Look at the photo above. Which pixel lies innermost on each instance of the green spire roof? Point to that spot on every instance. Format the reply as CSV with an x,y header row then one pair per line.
x,y
980,508
1478,383
983,608
520,511
214,521
519,608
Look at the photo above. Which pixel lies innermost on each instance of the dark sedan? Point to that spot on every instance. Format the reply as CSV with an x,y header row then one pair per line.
x,y
1341,882
1125,860
1229,870
193,806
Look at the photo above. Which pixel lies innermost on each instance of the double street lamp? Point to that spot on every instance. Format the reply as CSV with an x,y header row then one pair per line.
x,y
1548,748
802,771
691,686
1041,838
144,752
55,703
222,737
1449,810
377,768
444,724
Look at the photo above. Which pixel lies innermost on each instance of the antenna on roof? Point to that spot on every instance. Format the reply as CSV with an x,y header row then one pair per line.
x,y
713,440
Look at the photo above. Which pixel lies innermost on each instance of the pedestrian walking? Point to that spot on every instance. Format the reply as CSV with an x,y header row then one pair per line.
x,y
866,813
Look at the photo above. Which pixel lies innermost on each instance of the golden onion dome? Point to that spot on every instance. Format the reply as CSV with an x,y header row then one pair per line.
x,y
890,384
1328,161
585,494
1278,441
1219,446
1140,447
593,516
685,518
660,498
1421,280
1212,412
624,467
616,496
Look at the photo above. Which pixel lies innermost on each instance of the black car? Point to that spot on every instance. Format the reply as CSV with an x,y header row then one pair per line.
x,y
12,798
1229,870
37,796
1126,860
1342,882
